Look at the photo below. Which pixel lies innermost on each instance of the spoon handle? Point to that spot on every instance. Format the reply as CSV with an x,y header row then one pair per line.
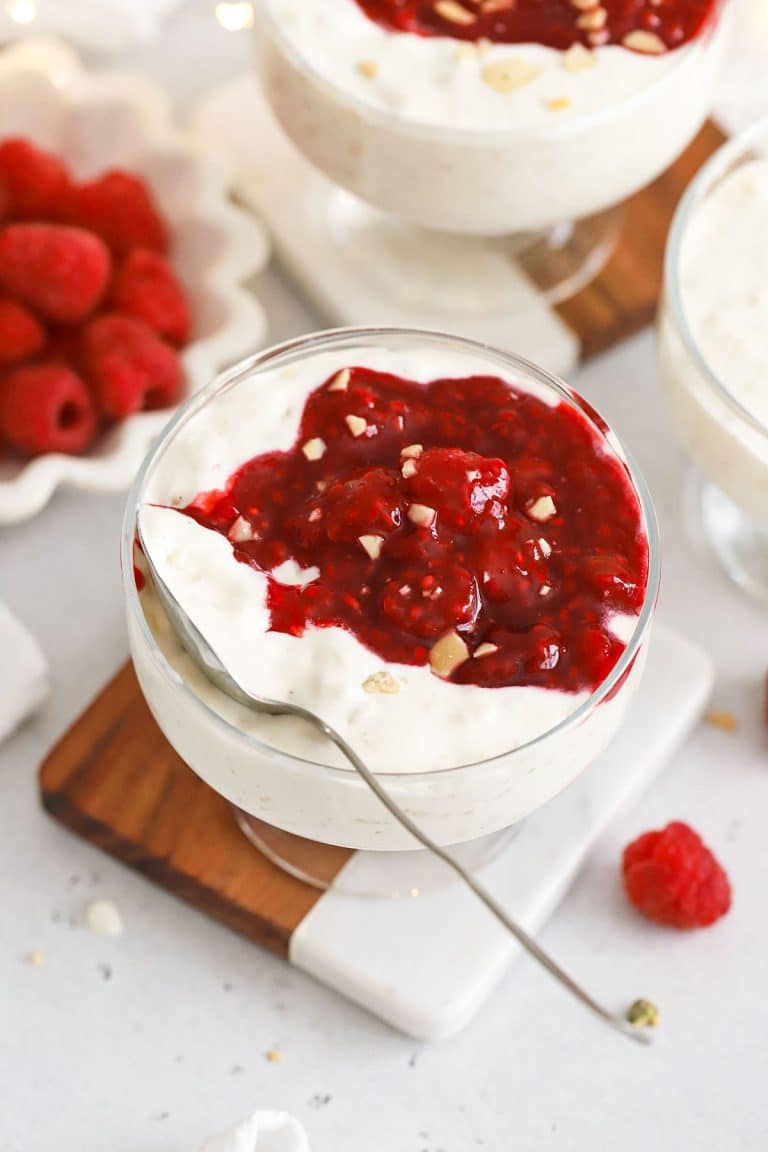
x,y
527,942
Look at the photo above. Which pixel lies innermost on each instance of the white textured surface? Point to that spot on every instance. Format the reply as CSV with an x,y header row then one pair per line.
x,y
427,964
189,1002
172,1047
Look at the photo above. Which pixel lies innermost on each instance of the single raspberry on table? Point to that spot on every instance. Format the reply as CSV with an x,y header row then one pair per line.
x,y
21,334
672,877
146,286
128,366
59,272
32,180
45,407
121,209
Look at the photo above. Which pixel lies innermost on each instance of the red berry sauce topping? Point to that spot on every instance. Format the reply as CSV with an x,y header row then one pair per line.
x,y
461,523
556,23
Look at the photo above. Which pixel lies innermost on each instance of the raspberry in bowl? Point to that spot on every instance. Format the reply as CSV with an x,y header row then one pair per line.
x,y
435,546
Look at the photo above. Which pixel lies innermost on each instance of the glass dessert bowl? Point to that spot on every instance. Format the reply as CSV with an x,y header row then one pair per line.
x,y
525,123
713,354
437,547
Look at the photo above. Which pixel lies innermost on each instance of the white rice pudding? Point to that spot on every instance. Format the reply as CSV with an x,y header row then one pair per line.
x,y
484,137
413,732
723,261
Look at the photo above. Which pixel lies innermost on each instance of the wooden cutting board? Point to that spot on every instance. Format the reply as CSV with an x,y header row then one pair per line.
x,y
114,779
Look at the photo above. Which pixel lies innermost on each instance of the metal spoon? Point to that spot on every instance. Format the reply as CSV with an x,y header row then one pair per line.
x,y
203,653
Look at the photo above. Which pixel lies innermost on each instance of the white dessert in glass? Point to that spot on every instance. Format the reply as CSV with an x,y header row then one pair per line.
x,y
479,660
473,170
713,350
452,131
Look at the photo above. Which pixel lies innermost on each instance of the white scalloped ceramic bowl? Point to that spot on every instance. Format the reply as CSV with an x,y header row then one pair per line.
x,y
102,120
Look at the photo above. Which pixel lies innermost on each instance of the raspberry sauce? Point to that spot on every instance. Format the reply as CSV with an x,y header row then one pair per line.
x,y
462,508
555,23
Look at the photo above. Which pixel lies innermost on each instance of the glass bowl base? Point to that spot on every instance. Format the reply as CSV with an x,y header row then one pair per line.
x,y
384,875
466,275
738,542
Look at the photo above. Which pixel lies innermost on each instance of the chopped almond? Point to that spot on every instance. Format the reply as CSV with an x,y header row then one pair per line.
x,y
724,720
641,41
356,425
372,545
421,515
593,19
485,650
340,382
510,73
448,653
314,449
240,531
578,59
542,509
454,12
381,682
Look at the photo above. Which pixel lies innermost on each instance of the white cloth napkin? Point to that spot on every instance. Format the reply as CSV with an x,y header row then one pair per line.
x,y
261,1132
108,25
23,673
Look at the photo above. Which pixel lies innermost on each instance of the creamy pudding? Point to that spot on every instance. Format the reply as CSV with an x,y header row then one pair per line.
x,y
717,384
713,353
434,547
490,117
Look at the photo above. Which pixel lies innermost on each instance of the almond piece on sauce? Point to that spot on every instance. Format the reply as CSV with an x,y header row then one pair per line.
x,y
448,653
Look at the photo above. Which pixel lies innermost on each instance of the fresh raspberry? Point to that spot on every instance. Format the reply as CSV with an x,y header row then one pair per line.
x,y
21,335
514,569
59,272
45,407
32,180
367,502
427,603
672,877
145,286
128,366
463,486
120,208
